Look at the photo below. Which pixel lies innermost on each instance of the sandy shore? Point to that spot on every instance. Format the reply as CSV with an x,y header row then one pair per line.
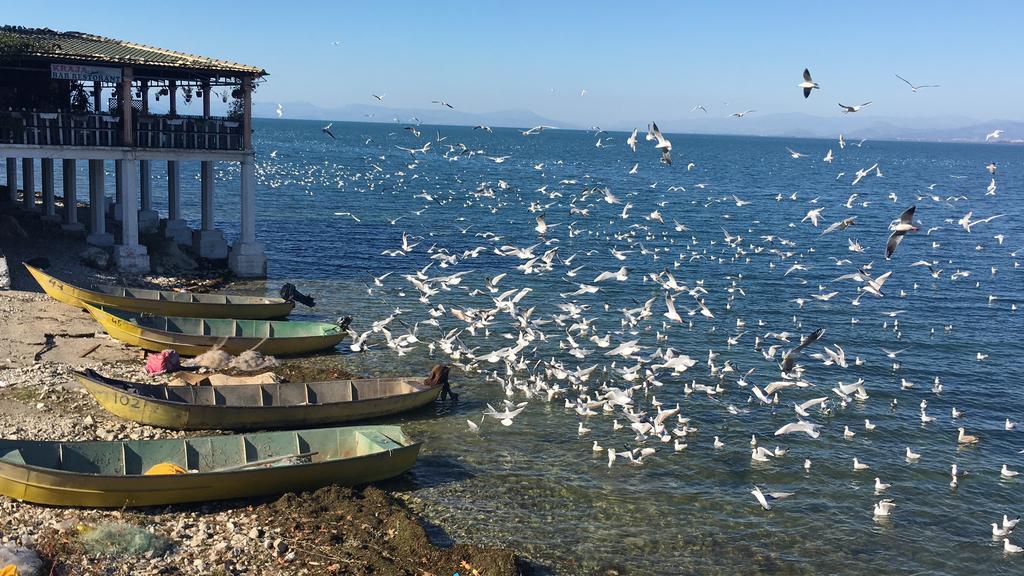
x,y
331,531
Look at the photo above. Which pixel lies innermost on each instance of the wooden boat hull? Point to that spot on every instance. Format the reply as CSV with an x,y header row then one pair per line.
x,y
164,303
155,340
391,454
120,399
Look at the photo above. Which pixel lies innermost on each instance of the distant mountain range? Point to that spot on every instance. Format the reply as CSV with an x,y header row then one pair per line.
x,y
436,116
798,125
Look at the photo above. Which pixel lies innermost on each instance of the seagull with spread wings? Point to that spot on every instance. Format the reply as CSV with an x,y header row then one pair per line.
x,y
808,84
916,88
849,109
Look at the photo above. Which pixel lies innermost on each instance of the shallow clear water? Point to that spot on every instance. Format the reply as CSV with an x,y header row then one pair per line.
x,y
539,488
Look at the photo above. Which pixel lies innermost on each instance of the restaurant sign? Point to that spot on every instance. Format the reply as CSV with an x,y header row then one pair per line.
x,y
76,72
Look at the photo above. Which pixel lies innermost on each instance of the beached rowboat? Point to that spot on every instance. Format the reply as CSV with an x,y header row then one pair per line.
x,y
114,474
163,302
194,336
257,406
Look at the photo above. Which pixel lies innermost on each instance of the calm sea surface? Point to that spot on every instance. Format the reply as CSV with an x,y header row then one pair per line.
x,y
538,487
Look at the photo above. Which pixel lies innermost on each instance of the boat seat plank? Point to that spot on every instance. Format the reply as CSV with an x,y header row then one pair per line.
x,y
380,441
14,456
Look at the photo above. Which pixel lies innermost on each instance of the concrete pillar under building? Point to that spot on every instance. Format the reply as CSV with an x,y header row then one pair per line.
x,y
49,204
247,258
71,197
149,219
116,207
130,256
175,227
97,207
28,184
12,179
208,242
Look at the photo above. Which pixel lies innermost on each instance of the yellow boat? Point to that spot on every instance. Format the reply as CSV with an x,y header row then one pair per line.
x,y
194,336
257,406
160,472
163,302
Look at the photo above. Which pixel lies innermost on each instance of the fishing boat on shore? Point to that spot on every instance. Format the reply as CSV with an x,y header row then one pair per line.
x,y
194,336
160,472
163,302
258,406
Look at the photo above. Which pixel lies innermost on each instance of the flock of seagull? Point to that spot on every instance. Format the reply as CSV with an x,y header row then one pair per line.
x,y
610,373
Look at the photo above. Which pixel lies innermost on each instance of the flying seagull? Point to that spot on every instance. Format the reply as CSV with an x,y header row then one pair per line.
x,y
280,112
808,84
899,230
994,135
741,114
442,103
327,130
789,360
380,97
848,109
663,144
915,88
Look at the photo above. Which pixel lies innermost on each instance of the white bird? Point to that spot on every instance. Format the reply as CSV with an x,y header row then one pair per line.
x,y
1011,548
1007,473
1009,425
718,443
849,109
809,428
880,486
916,88
795,154
808,84
999,532
993,135
764,498
741,114
963,438
663,144
858,465
280,111
884,507
631,141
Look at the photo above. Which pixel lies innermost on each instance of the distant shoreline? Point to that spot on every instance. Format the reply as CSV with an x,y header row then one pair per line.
x,y
853,135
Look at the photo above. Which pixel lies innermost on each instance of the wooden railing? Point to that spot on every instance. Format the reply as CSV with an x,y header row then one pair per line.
x,y
100,130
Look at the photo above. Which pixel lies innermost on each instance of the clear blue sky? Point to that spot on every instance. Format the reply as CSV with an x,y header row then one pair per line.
x,y
649,59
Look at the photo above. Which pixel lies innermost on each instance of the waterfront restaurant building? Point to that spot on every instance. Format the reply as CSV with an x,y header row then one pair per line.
x,y
52,108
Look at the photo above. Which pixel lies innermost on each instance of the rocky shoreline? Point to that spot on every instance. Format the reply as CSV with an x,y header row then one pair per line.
x,y
331,531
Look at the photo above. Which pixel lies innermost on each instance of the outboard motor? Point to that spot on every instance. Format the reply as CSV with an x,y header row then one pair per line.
x,y
291,293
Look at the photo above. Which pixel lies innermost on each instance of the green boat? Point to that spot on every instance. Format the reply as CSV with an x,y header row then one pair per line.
x,y
258,406
160,472
194,336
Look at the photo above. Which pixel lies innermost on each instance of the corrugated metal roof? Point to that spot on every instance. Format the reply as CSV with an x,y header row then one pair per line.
x,y
82,47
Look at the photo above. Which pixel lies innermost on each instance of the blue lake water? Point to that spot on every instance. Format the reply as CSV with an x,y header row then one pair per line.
x,y
536,486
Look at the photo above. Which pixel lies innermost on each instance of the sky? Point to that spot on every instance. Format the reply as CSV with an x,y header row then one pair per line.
x,y
636,60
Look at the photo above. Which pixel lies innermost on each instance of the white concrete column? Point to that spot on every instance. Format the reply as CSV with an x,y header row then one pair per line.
x,y
49,206
129,255
97,207
175,227
116,209
149,219
71,196
247,258
28,184
208,242
12,179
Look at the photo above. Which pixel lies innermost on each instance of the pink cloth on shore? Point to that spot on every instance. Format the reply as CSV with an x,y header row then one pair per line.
x,y
164,361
